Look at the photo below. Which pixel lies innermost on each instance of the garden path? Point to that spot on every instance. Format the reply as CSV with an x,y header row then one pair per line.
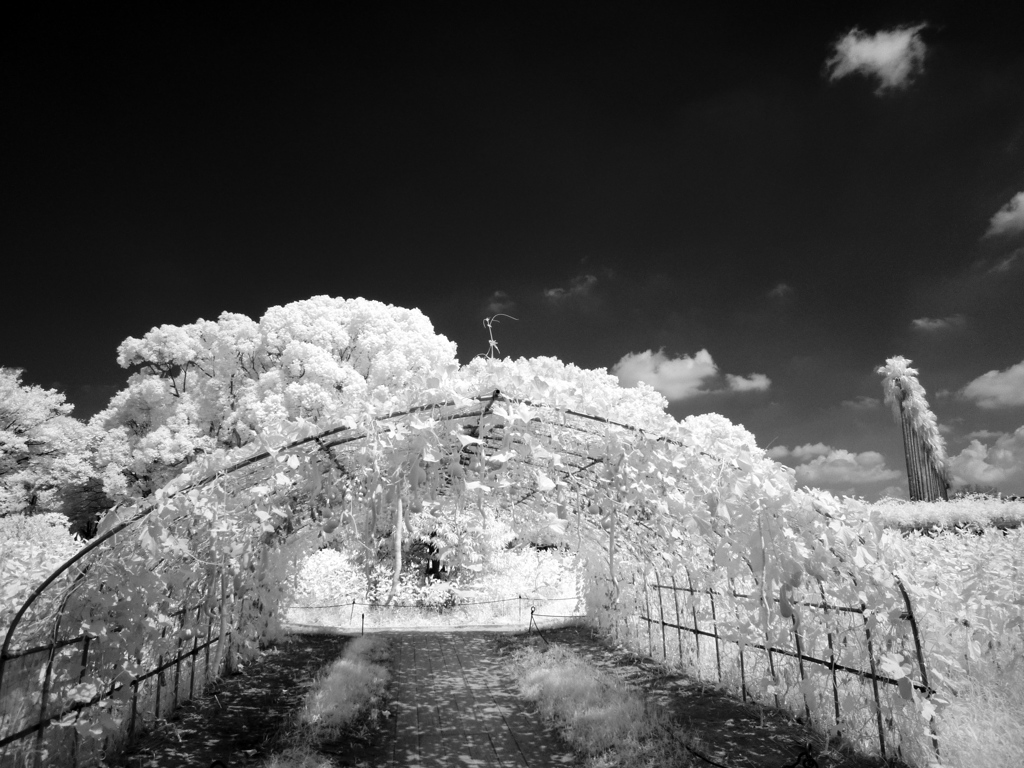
x,y
454,704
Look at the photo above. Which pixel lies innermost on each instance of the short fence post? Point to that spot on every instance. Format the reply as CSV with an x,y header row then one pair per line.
x,y
650,635
831,654
714,624
693,610
800,664
209,633
661,615
195,652
920,658
135,708
874,679
679,624
743,671
177,658
632,636
43,702
771,663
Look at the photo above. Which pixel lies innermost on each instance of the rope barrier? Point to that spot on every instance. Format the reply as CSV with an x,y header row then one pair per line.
x,y
439,607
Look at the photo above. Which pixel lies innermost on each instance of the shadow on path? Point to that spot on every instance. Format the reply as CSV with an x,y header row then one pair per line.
x,y
454,704
239,716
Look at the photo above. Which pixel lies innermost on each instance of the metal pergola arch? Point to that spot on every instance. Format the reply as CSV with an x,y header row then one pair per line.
x,y
481,420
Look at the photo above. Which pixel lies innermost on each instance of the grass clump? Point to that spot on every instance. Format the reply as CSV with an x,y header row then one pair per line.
x,y
298,757
981,726
604,720
354,685
347,698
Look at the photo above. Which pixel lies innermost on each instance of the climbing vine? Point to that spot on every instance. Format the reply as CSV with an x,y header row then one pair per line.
x,y
538,447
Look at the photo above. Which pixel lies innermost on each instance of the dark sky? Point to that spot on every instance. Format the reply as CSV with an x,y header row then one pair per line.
x,y
627,180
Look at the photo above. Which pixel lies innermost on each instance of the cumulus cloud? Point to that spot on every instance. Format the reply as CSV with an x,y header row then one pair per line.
x,y
822,465
801,452
580,287
681,377
935,324
998,389
983,434
894,492
781,291
676,379
862,403
755,382
1000,464
892,56
1008,220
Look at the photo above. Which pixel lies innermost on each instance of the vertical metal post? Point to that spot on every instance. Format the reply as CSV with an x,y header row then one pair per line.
x,y
920,658
661,615
714,623
159,682
831,655
81,676
874,678
679,624
693,610
135,708
771,663
192,666
209,634
800,664
177,657
743,670
43,701
650,632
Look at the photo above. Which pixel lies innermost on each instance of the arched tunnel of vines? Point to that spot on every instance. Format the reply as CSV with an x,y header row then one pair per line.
x,y
691,544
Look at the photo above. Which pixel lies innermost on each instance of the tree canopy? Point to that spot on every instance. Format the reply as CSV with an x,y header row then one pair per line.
x,y
45,453
218,384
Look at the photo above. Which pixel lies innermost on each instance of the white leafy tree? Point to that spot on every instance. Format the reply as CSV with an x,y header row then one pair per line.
x,y
221,383
47,454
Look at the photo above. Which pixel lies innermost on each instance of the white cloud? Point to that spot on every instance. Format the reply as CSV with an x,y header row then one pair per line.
x,y
580,286
781,291
1001,464
1008,220
862,403
681,377
499,302
933,324
1006,264
755,382
983,434
825,466
801,452
998,389
894,492
893,56
675,379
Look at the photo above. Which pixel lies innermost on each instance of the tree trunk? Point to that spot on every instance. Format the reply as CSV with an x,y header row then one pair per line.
x,y
398,550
